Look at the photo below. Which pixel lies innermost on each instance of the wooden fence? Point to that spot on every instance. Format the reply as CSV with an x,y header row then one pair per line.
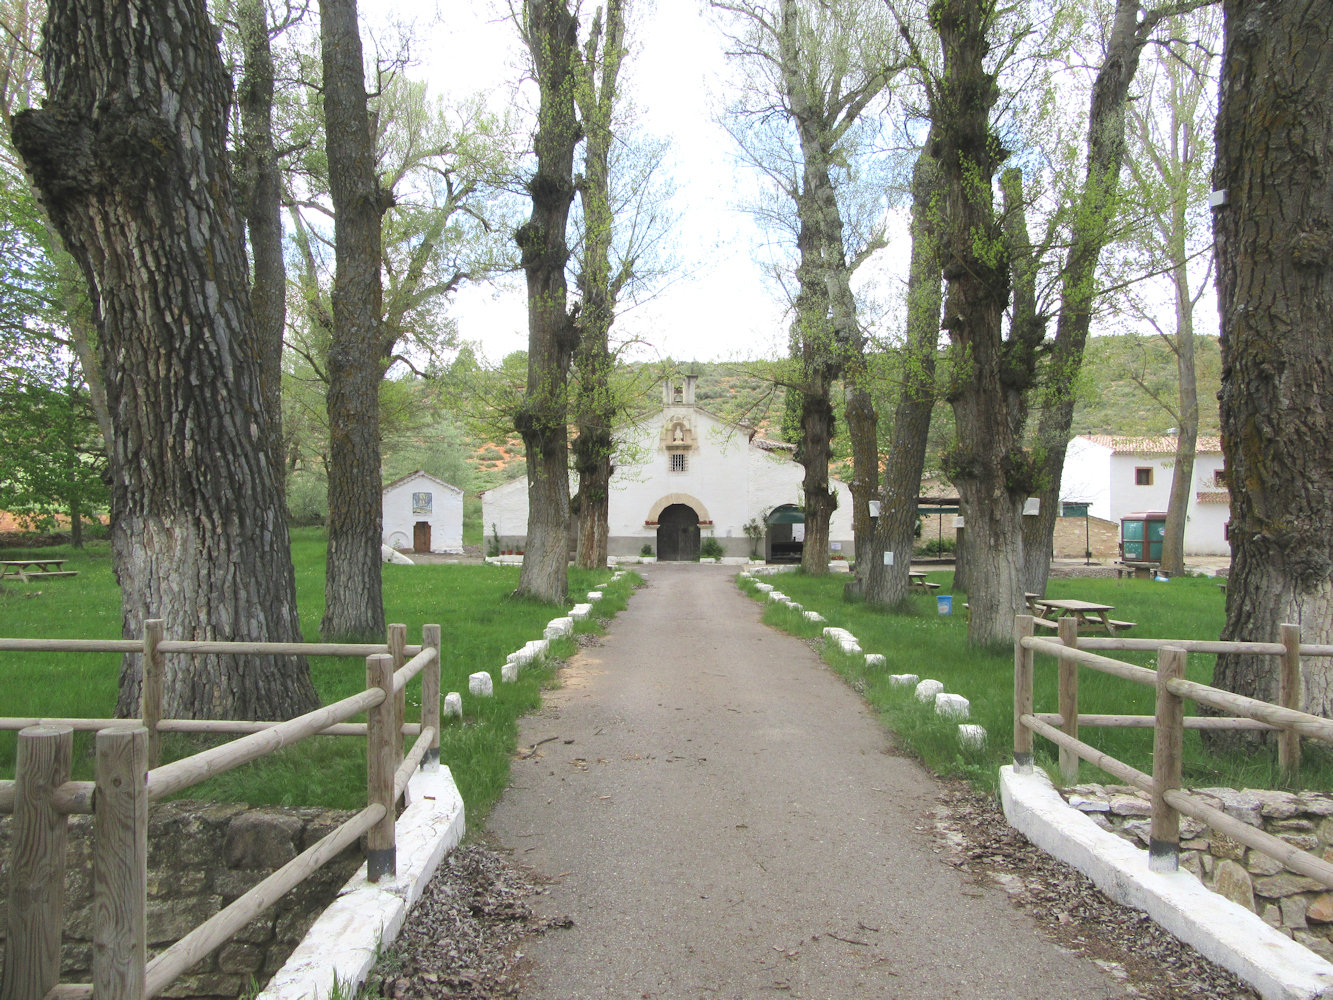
x,y
1169,800
128,776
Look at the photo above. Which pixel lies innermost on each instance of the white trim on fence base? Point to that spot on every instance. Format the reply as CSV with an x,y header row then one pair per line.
x,y
1227,933
345,941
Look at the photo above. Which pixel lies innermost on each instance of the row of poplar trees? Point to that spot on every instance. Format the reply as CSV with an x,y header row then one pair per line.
x,y
1012,348
129,156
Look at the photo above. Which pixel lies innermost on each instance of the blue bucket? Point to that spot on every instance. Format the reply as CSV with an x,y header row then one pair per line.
x,y
945,604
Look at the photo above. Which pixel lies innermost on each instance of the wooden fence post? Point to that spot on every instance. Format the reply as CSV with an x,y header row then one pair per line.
x,y
1168,744
397,643
1289,696
153,671
430,694
1069,700
120,865
37,864
1023,629
381,854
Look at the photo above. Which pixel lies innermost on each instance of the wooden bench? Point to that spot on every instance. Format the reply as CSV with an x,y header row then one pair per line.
x,y
51,572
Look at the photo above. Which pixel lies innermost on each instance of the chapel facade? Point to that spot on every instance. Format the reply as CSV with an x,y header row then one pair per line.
x,y
684,474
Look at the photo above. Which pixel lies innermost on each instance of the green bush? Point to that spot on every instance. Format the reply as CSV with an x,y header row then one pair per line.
x,y
938,547
711,548
646,551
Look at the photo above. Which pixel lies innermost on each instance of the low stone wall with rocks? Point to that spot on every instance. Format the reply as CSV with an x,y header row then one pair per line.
x,y
202,856
1297,906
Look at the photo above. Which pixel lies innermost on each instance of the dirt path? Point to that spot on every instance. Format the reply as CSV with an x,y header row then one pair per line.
x,y
723,817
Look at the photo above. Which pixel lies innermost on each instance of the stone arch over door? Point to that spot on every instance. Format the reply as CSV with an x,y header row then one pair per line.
x,y
655,512
678,534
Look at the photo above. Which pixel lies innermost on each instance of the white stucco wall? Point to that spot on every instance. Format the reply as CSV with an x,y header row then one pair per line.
x,y
727,480
1087,476
445,518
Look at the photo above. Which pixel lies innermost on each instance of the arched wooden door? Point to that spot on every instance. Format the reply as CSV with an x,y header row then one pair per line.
x,y
678,534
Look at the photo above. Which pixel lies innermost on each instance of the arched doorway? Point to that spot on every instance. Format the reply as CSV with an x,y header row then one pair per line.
x,y
786,534
678,534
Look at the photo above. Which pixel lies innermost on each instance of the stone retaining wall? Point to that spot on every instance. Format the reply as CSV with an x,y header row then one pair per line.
x,y
202,856
1297,906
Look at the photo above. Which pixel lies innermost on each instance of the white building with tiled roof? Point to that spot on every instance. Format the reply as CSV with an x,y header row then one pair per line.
x,y
685,474
1119,476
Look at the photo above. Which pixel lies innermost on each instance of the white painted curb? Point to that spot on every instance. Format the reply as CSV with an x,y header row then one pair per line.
x,y
1223,931
346,940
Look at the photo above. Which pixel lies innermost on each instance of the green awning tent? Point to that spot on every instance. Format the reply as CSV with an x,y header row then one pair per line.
x,y
786,515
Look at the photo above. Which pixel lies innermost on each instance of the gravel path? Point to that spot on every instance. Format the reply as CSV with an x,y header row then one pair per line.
x,y
704,810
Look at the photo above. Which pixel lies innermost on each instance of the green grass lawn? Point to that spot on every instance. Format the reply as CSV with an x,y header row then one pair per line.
x,y
918,640
481,624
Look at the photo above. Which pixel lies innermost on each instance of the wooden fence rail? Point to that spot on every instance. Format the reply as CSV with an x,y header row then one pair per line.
x,y
1169,800
128,778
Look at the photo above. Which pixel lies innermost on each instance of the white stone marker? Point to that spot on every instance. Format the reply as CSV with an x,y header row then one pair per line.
x,y
594,596
537,649
815,616
928,689
453,704
777,595
509,673
952,706
971,735
903,680
795,607
557,628
580,612
763,588
875,661
481,684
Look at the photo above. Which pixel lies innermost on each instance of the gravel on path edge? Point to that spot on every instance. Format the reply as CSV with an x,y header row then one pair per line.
x,y
465,938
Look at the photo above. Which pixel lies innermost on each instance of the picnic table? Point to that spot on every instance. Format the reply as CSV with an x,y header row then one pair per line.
x,y
33,569
917,578
1088,614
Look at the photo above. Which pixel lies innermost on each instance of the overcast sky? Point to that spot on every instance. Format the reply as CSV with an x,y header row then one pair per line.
x,y
718,306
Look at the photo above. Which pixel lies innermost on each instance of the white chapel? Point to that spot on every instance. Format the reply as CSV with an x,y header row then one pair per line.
x,y
684,474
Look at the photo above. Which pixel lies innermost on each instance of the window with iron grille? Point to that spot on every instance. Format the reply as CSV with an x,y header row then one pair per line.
x,y
677,461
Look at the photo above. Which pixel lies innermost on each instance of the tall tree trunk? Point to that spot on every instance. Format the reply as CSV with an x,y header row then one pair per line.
x,y
988,377
1026,324
1187,436
1274,245
551,33
353,599
595,405
886,586
129,154
1131,28
261,186
819,369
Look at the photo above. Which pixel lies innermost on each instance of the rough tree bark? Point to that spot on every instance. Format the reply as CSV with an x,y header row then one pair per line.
x,y
1274,246
261,190
886,586
551,34
988,375
129,154
594,403
353,600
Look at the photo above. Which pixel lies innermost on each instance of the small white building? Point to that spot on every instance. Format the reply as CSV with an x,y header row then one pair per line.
x,y
683,475
423,514
1119,476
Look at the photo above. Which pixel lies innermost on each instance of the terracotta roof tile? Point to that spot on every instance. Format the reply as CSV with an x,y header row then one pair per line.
x,y
1164,445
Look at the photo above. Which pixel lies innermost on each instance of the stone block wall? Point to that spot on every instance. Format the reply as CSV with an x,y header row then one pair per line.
x,y
1297,906
201,857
